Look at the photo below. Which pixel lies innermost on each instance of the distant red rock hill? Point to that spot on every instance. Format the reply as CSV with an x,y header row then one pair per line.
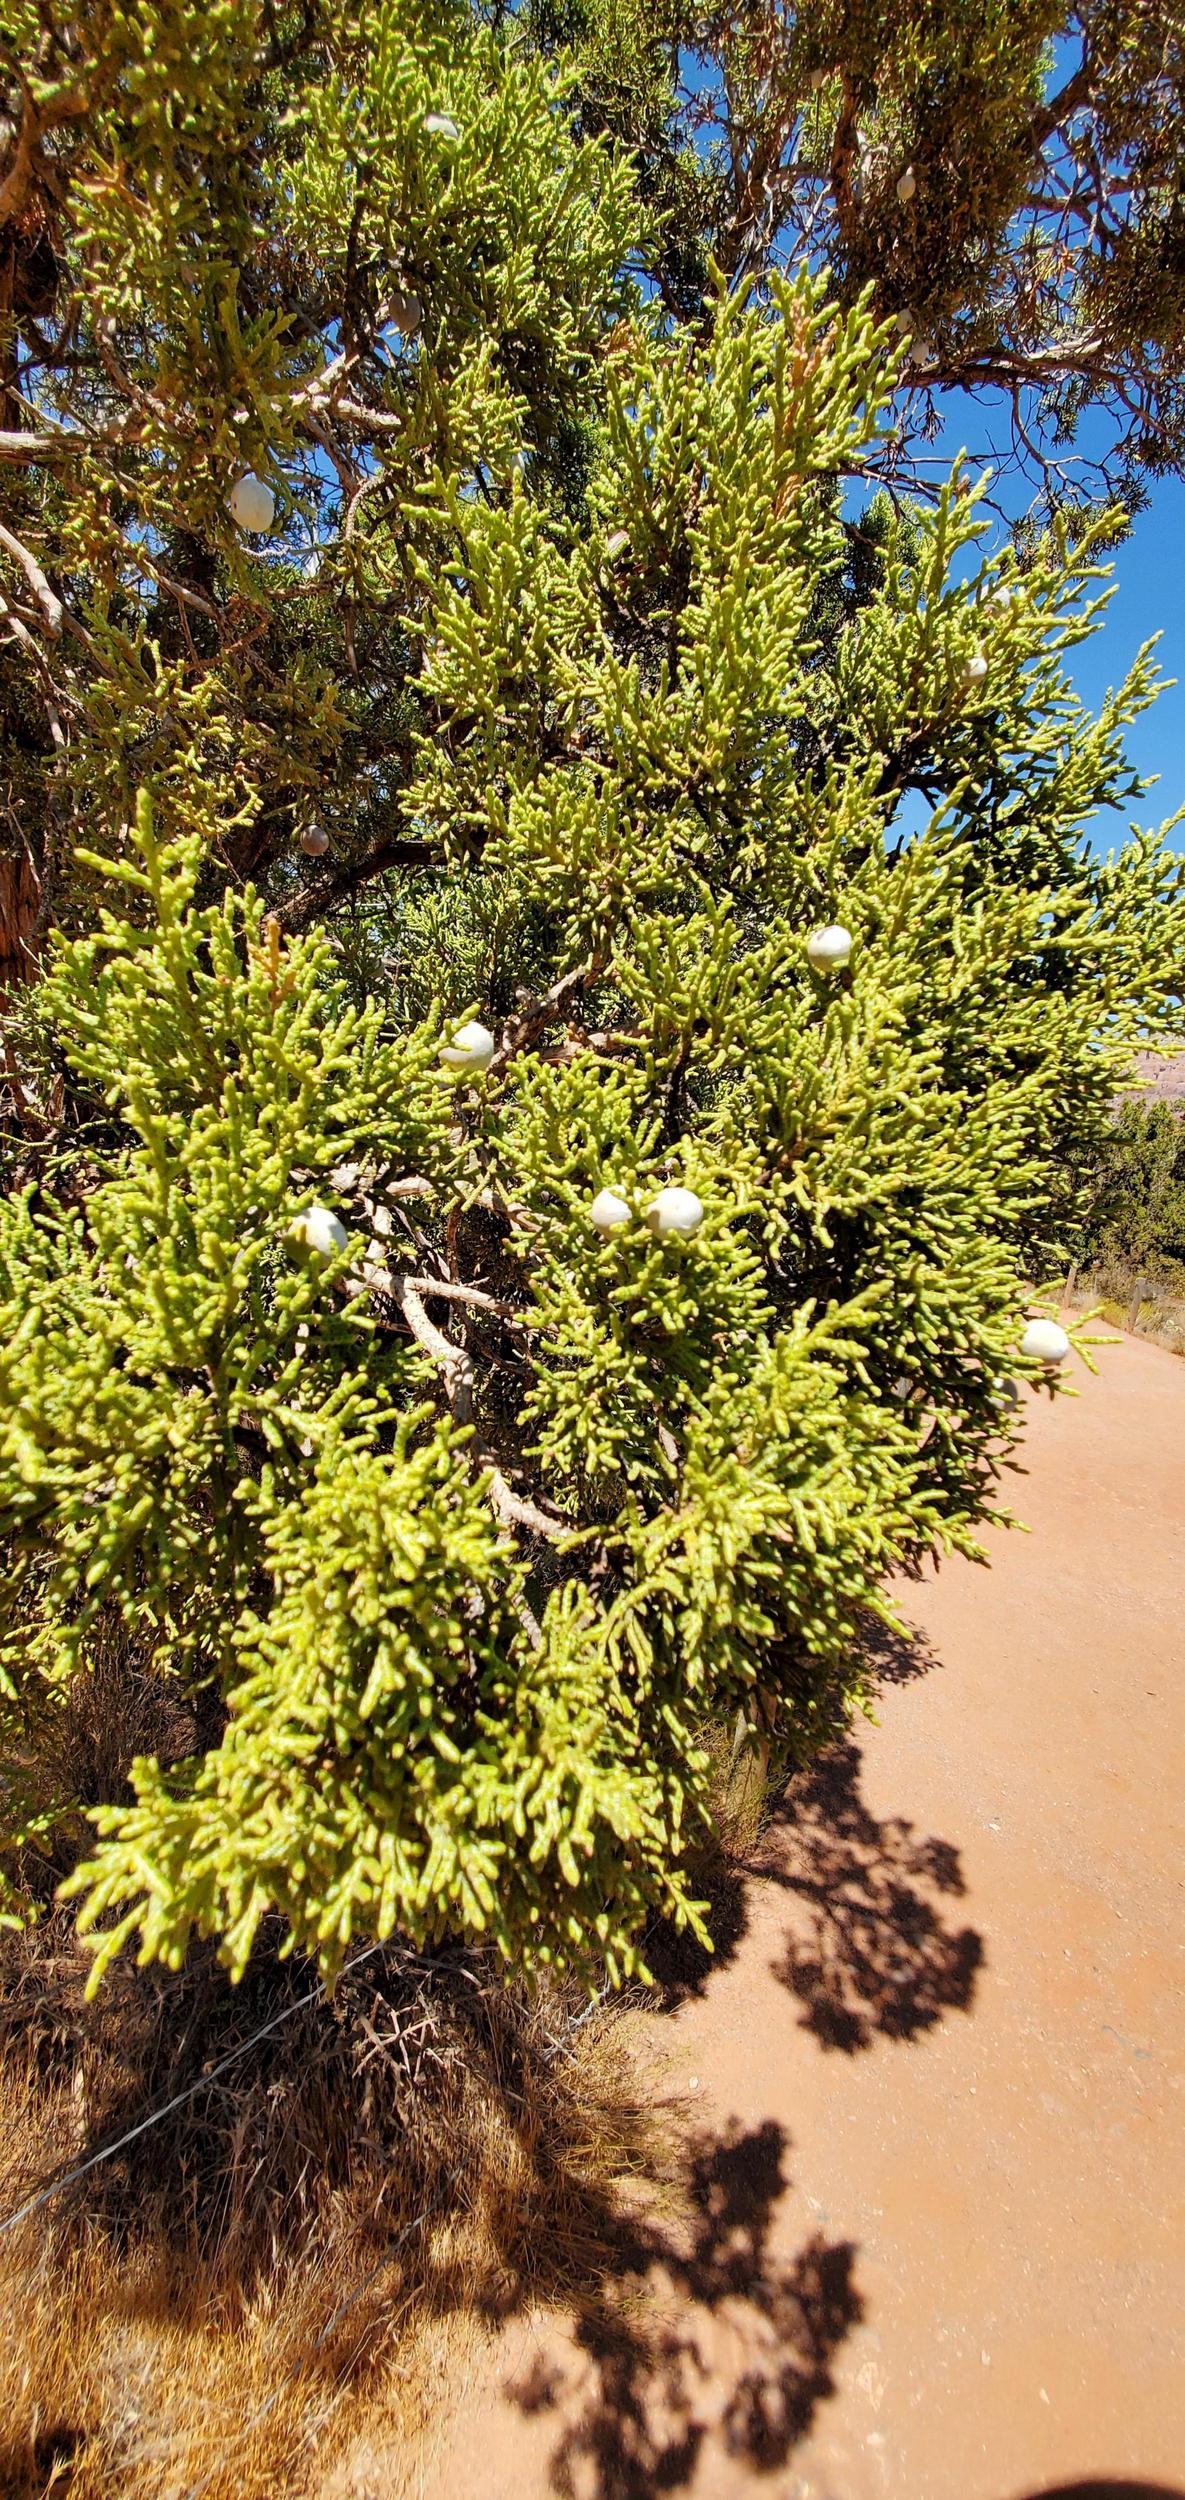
x,y
1162,1079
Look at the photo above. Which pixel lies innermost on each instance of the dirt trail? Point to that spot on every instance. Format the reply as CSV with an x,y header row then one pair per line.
x,y
936,2073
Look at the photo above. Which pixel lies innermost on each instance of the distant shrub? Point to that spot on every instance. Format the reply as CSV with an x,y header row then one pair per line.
x,y
1136,1196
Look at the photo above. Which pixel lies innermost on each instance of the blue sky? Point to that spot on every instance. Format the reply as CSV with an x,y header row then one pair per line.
x,y
1149,598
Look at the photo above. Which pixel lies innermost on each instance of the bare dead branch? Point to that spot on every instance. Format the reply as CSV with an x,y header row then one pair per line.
x,y
313,900
472,1295
145,401
19,632
843,152
20,446
393,1282
177,590
43,592
1058,108
536,1014
368,420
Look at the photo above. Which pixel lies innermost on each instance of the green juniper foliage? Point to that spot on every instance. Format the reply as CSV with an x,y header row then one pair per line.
x,y
354,255
457,1508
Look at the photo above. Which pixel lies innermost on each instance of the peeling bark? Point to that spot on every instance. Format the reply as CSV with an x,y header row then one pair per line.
x,y
20,921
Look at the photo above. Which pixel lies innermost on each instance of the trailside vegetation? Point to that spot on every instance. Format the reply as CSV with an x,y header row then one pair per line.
x,y
574,964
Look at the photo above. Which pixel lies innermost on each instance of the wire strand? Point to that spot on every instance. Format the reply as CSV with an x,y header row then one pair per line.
x,y
554,2048
105,2152
196,2490
32,2204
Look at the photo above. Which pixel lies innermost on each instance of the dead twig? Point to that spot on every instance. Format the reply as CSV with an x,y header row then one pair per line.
x,y
477,1300
535,1014
312,900
18,631
380,1278
45,595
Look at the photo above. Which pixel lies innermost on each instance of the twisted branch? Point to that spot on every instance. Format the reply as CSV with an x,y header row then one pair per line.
x,y
536,1014
515,1511
452,1361
456,1367
311,901
42,589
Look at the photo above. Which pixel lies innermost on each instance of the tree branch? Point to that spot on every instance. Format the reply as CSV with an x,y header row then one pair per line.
x,y
177,590
313,901
46,597
1059,107
536,1014
392,1281
148,405
18,446
515,1511
19,632
69,105
451,1359
843,152
456,1367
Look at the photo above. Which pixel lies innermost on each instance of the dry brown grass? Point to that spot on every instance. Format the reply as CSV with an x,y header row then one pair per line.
x,y
1127,1297
263,2282
414,2151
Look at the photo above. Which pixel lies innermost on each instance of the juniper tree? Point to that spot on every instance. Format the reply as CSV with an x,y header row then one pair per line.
x,y
350,254
197,207
526,1169
1008,178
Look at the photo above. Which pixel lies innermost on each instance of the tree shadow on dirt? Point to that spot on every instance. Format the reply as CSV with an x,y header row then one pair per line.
x,y
698,2333
878,1957
893,1657
679,1964
658,2327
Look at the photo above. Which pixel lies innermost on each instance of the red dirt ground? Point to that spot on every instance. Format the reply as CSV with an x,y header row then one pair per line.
x,y
935,2075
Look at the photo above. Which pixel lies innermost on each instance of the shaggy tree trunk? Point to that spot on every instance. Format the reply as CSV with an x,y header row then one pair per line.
x,y
20,932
